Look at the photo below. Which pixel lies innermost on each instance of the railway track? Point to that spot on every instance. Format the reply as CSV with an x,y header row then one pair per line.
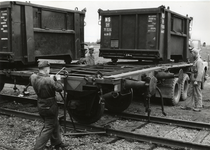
x,y
201,130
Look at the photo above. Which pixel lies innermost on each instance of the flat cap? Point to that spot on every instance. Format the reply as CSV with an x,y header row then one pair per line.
x,y
91,47
196,50
43,64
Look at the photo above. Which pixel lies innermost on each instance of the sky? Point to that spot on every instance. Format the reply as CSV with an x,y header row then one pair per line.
x,y
199,10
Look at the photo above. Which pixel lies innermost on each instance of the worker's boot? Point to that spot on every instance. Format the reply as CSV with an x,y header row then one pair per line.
x,y
61,145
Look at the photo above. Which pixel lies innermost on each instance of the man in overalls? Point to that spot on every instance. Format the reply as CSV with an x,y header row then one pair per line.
x,y
89,59
194,100
45,88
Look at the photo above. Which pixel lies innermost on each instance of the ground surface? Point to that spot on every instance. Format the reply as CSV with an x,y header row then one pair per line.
x,y
21,133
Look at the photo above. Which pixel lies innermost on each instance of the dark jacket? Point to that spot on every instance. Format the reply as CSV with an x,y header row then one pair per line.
x,y
45,88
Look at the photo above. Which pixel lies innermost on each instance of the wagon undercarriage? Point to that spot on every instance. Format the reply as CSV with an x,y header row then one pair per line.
x,y
91,89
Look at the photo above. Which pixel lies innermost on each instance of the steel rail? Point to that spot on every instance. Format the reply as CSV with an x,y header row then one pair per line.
x,y
20,114
142,138
157,140
160,120
22,99
116,133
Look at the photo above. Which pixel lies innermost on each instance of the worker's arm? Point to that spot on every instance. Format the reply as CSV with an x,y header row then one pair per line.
x,y
200,68
57,83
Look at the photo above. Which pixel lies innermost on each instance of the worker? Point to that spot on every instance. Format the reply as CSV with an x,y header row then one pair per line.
x,y
45,88
194,100
89,59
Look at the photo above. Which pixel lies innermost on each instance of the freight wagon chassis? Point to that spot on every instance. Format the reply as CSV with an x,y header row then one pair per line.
x,y
91,89
89,95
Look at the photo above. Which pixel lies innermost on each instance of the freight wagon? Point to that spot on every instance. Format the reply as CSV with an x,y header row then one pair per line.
x,y
156,34
157,37
30,32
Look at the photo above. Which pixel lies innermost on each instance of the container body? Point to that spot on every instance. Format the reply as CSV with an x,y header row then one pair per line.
x,y
29,32
153,33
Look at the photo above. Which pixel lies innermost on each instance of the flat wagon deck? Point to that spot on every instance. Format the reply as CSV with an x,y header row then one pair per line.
x,y
91,88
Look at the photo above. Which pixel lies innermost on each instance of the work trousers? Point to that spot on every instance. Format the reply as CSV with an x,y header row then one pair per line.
x,y
194,96
50,131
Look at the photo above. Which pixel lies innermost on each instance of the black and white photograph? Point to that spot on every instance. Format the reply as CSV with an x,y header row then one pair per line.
x,y
105,75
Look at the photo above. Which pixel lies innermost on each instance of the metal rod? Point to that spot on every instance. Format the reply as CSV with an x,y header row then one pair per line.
x,y
60,70
83,71
64,112
65,115
162,102
149,109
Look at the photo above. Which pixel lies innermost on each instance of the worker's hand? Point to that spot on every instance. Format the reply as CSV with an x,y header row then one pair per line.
x,y
54,78
195,83
57,77
80,61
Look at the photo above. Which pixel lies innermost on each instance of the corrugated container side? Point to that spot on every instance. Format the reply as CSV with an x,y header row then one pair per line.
x,y
153,33
40,32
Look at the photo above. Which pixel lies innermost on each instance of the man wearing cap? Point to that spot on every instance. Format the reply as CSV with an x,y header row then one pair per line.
x,y
194,93
89,59
45,88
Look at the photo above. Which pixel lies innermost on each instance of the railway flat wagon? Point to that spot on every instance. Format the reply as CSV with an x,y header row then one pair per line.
x,y
157,37
148,35
30,32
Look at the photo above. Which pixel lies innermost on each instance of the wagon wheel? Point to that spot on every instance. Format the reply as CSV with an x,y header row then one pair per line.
x,y
86,112
120,103
175,92
184,87
171,91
